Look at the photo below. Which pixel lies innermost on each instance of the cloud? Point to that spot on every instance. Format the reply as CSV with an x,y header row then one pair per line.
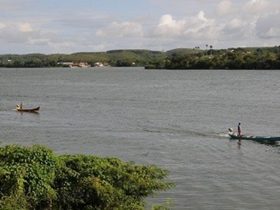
x,y
121,29
236,23
257,6
237,29
23,33
25,27
224,7
268,27
2,25
169,27
197,27
10,33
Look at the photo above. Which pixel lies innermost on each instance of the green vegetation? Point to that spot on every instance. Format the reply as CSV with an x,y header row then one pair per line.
x,y
35,178
240,58
182,58
112,58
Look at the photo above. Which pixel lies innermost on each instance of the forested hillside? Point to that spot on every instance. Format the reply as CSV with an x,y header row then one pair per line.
x,y
181,58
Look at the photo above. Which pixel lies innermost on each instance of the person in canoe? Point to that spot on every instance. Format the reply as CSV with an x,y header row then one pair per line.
x,y
19,107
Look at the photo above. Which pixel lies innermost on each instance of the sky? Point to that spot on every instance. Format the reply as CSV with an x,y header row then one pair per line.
x,y
67,26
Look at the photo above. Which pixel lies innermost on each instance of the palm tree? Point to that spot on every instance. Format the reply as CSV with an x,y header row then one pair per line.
x,y
211,51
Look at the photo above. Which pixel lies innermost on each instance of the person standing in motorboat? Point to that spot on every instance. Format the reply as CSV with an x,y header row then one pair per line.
x,y
234,135
239,132
239,129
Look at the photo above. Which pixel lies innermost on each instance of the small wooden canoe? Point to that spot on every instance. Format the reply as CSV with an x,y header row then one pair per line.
x,y
36,109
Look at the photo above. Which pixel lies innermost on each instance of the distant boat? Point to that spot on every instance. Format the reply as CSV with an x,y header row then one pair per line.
x,y
79,65
98,64
20,109
74,64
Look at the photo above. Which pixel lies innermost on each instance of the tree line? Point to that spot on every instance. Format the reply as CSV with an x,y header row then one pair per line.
x,y
234,58
182,58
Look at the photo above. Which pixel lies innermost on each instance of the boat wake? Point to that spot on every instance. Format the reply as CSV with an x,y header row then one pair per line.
x,y
223,135
180,131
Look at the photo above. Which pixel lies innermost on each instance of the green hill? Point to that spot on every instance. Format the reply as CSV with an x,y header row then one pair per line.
x,y
183,51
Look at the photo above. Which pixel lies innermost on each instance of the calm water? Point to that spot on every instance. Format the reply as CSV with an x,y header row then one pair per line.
x,y
174,119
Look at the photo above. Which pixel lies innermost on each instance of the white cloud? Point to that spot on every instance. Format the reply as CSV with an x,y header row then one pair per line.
x,y
169,27
273,32
202,28
257,6
237,30
25,27
2,25
224,7
23,33
197,27
121,29
268,27
236,23
201,16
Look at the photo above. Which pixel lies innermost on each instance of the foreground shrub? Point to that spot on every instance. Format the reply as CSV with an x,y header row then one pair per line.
x,y
35,178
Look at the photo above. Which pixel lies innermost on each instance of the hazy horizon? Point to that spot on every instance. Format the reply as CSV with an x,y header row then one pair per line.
x,y
48,27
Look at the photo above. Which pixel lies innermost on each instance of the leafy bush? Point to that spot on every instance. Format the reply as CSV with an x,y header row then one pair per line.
x,y
35,178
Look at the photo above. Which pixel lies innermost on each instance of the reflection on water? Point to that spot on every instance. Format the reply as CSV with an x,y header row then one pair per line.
x,y
175,119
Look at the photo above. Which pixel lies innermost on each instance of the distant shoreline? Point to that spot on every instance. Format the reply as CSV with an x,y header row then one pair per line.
x,y
181,58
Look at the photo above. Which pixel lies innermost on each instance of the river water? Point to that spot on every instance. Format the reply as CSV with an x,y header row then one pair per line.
x,y
174,119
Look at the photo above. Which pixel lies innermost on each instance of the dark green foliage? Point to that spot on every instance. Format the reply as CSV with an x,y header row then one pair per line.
x,y
35,178
239,58
26,176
